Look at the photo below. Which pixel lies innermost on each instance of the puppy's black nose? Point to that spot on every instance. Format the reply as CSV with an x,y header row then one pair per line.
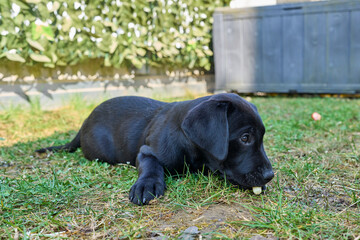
x,y
268,175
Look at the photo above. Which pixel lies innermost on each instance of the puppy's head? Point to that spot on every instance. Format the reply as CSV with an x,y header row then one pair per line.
x,y
230,132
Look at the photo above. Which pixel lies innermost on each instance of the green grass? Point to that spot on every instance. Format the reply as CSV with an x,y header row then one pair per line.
x,y
314,195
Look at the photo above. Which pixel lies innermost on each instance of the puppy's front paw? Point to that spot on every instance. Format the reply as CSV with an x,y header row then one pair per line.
x,y
145,190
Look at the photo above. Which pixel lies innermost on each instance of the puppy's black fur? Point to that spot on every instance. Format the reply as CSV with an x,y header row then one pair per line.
x,y
222,133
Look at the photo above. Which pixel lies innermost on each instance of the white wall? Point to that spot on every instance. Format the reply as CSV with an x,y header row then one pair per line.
x,y
251,3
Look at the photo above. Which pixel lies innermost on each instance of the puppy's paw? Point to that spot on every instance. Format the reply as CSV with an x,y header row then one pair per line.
x,y
144,190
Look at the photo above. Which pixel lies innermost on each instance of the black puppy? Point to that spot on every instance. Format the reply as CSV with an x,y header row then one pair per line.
x,y
222,133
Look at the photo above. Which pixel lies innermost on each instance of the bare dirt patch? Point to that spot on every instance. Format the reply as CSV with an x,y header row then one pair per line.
x,y
209,219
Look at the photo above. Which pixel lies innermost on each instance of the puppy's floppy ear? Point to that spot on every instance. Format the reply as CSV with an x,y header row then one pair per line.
x,y
206,125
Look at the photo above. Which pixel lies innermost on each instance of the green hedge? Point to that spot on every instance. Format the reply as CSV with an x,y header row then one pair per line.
x,y
124,33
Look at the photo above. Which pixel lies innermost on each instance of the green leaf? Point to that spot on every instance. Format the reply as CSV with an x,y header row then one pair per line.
x,y
6,15
174,51
199,53
127,53
192,63
136,62
40,58
167,52
203,61
207,67
49,65
140,51
123,54
3,42
14,57
54,57
107,62
115,61
38,31
113,46
33,1
19,19
55,6
197,32
44,11
108,24
35,44
208,52
158,45
61,63
67,23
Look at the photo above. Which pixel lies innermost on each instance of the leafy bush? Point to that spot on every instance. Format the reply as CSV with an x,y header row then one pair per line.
x,y
171,33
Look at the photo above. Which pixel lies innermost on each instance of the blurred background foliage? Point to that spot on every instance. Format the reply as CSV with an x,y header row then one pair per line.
x,y
126,33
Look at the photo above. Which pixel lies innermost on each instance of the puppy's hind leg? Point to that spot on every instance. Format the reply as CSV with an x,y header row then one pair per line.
x,y
69,147
97,143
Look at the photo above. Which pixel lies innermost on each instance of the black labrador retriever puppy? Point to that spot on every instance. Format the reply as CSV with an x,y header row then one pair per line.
x,y
222,133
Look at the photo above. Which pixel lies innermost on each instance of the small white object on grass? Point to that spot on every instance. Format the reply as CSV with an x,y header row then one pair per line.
x,y
257,190
316,116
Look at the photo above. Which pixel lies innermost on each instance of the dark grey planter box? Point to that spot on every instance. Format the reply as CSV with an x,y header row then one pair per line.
x,y
311,47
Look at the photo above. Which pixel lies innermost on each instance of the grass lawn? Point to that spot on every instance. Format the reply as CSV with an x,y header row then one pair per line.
x,y
315,193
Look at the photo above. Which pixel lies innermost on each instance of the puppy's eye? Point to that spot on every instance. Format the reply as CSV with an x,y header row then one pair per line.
x,y
245,138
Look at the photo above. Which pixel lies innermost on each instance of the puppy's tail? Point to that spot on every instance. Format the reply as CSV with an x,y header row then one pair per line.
x,y
69,147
